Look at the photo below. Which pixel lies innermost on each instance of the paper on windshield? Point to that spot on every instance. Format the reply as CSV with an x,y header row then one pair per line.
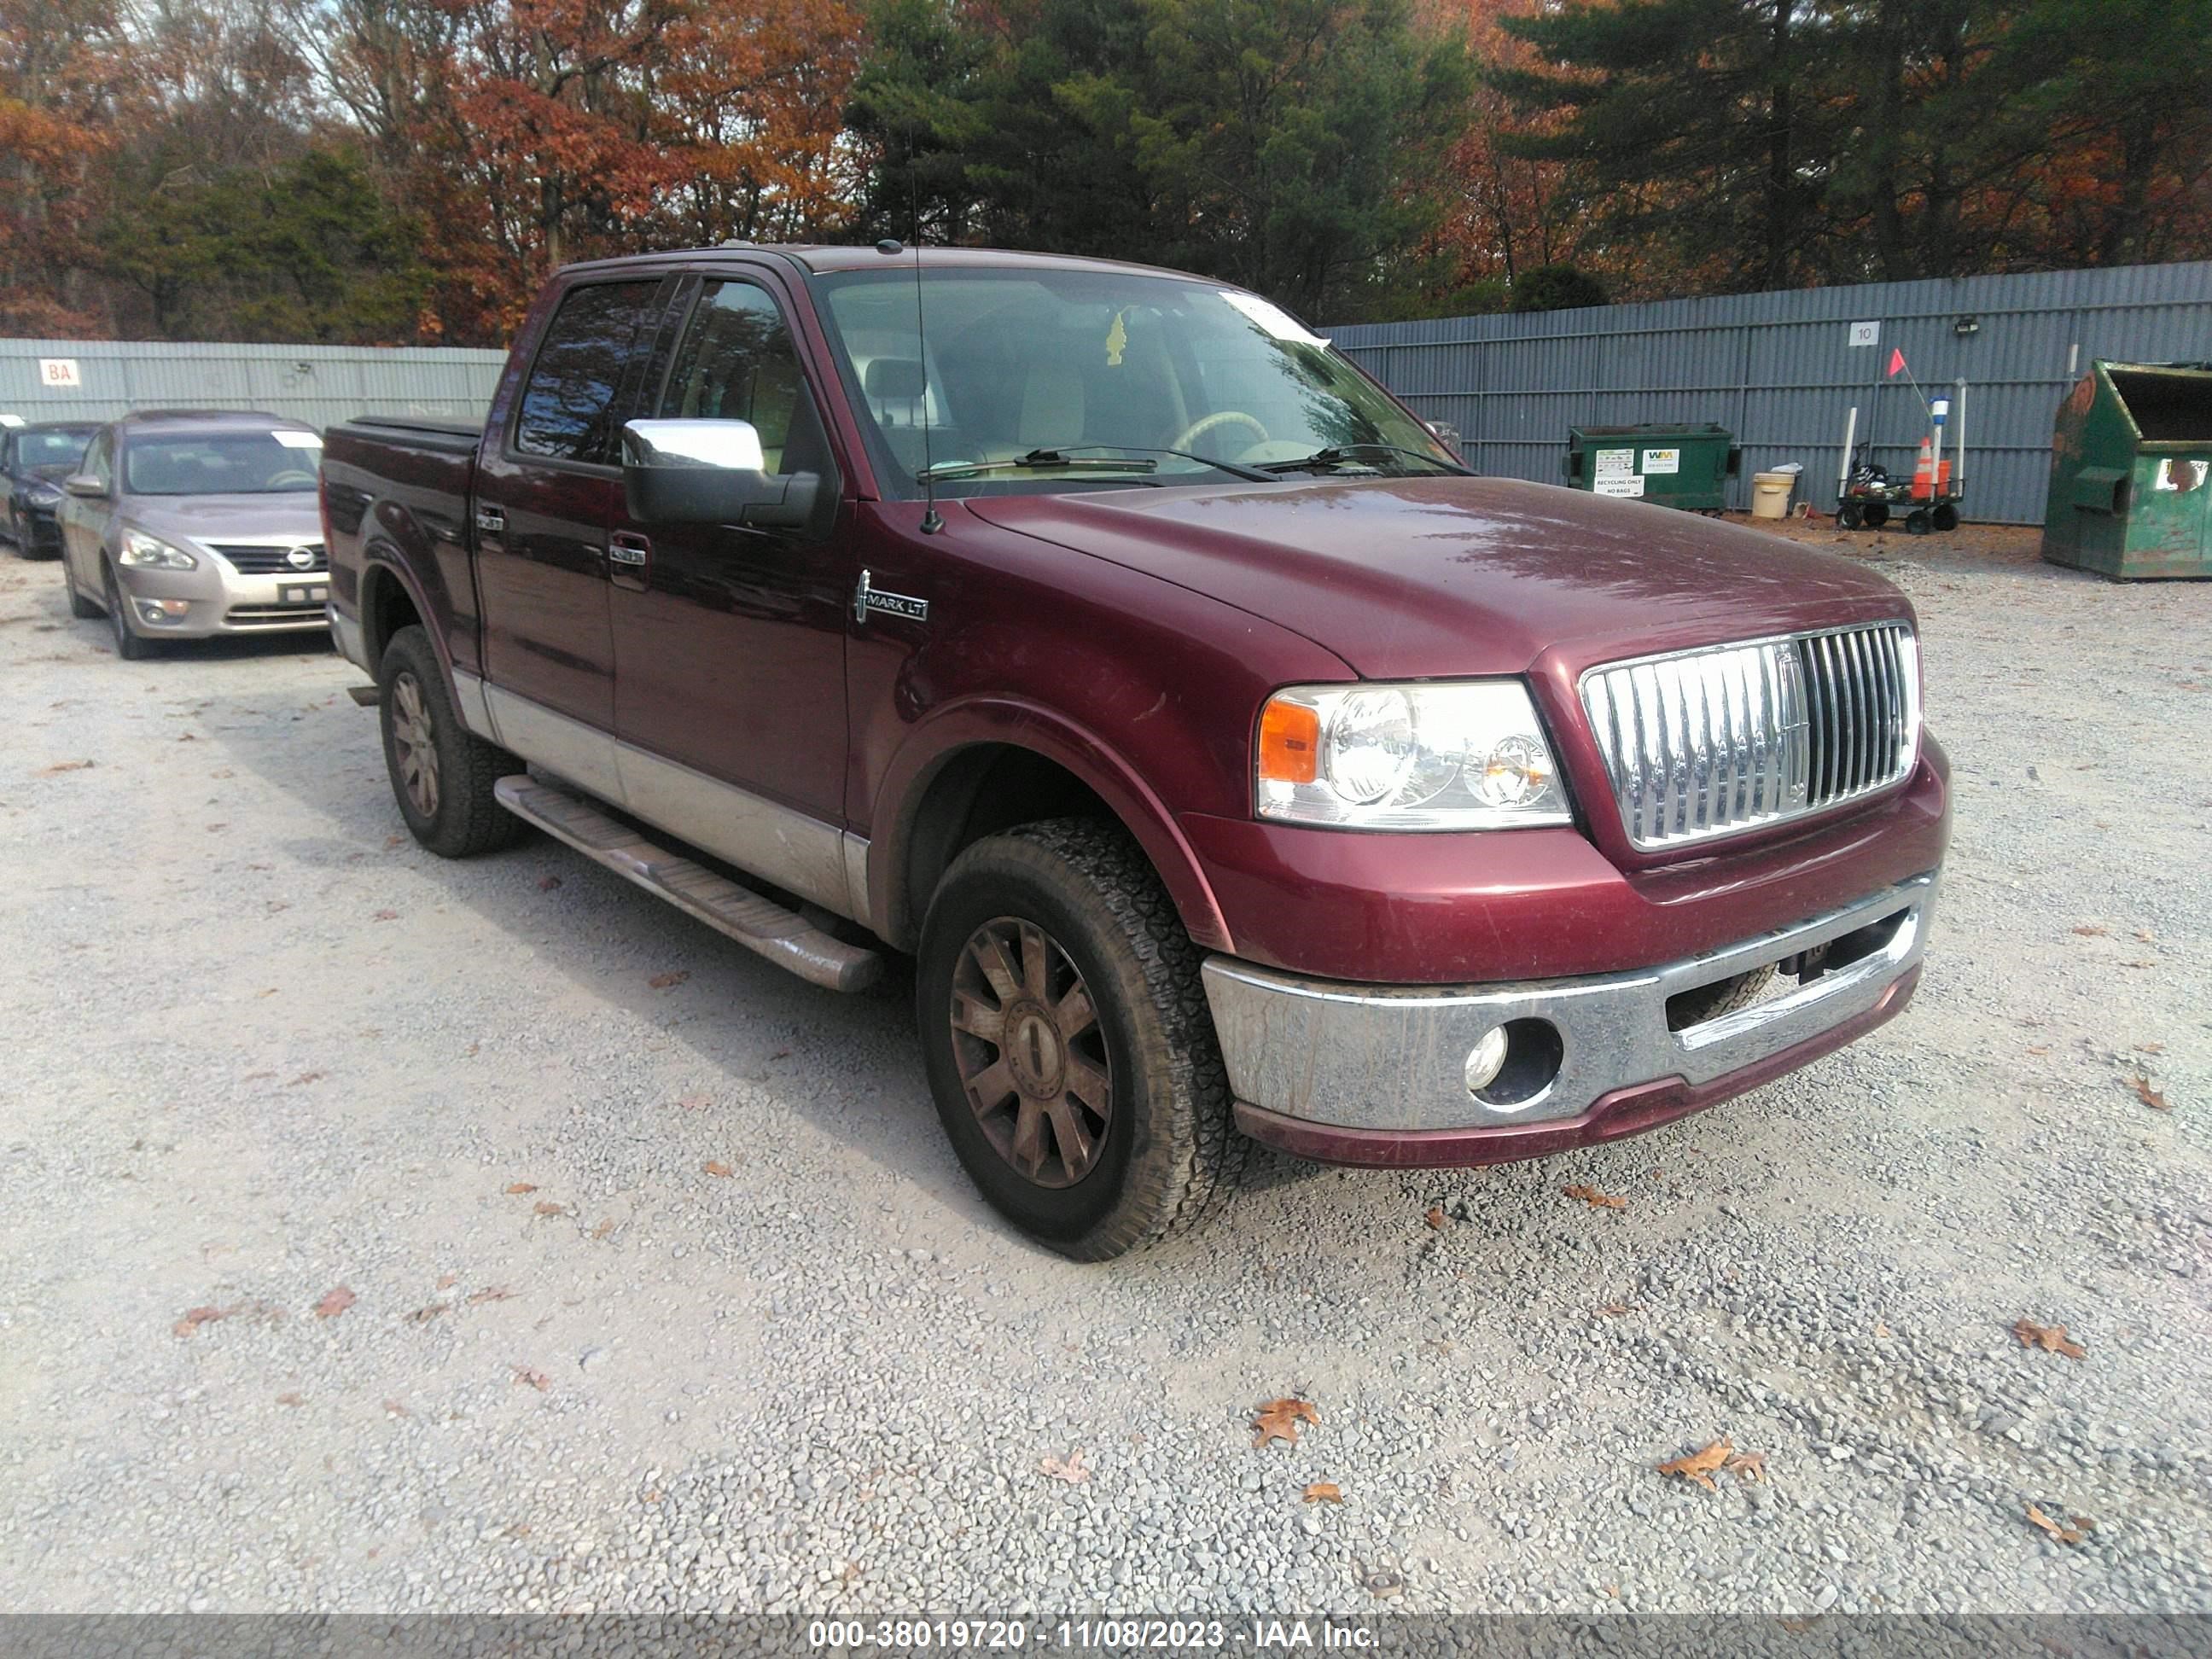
x,y
1279,323
299,440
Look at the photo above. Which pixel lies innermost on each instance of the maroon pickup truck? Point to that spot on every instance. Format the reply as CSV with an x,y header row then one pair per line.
x,y
1230,761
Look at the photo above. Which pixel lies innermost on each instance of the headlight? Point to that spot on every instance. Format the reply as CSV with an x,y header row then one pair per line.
x,y
151,552
1469,756
42,495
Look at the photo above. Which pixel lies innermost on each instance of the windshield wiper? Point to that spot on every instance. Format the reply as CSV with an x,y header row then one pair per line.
x,y
1064,456
1337,455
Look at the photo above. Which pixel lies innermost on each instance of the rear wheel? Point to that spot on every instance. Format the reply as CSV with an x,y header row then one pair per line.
x,y
1850,516
1876,515
1067,1038
442,773
1916,522
128,645
1945,518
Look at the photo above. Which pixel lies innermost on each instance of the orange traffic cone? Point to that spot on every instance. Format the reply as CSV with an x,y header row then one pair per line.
x,y
1924,472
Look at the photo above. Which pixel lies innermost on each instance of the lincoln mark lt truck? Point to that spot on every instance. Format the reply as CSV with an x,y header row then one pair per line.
x,y
1233,764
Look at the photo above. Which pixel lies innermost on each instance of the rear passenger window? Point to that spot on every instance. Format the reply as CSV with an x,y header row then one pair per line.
x,y
568,404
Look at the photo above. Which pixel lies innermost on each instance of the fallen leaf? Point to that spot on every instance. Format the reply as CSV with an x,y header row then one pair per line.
x,y
2141,961
423,1315
1614,1309
714,1168
1279,1419
778,1054
536,1380
2073,1534
196,1317
63,766
1070,1471
547,884
2144,936
1324,1491
386,915
1437,1218
694,1103
2150,1047
290,1400
1880,1329
2043,1048
391,842
187,737
334,1303
308,1077
2149,1096
493,1294
1595,1199
397,1409
446,1281
2090,930
544,1207
662,981
2053,1338
1698,1465
523,1186
1748,1466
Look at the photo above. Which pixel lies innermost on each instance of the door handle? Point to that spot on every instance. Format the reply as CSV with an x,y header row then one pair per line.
x,y
630,549
491,521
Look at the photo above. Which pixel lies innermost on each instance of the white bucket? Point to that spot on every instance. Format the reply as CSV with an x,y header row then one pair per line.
x,y
1770,494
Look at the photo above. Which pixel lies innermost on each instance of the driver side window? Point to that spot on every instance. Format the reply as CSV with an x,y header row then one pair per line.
x,y
99,459
736,362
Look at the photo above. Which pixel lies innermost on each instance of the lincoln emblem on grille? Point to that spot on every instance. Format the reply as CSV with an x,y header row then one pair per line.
x,y
300,557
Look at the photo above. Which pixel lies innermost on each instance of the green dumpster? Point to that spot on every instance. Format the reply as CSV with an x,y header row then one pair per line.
x,y
2131,472
1685,467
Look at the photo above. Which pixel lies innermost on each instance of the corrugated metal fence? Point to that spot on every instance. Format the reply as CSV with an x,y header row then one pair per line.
x,y
1780,369
99,380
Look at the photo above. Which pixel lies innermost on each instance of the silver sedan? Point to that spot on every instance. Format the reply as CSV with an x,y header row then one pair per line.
x,y
184,525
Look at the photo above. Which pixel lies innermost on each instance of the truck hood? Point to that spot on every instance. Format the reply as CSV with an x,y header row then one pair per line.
x,y
1422,578
290,516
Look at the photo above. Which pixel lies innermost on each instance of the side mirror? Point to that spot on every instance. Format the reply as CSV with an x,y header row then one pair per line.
x,y
709,472
84,484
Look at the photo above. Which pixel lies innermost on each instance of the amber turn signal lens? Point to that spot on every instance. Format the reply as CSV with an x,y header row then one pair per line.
x,y
1290,743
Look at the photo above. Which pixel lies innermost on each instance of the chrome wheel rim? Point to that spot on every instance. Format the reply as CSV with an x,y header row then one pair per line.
x,y
413,751
1031,1054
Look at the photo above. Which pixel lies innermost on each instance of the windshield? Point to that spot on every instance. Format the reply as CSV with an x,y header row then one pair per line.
x,y
223,464
1026,360
52,453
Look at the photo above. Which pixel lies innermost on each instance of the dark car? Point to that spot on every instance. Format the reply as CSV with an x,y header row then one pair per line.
x,y
1233,763
35,458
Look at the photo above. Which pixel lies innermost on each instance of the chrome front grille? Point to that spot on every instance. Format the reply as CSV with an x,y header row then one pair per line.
x,y
271,561
1700,743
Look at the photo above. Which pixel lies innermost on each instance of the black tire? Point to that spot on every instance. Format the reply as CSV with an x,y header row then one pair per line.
x,y
1168,1145
80,607
1876,515
1916,522
1850,516
1945,518
128,645
459,818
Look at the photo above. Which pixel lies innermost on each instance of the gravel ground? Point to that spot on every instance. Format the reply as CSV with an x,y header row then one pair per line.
x,y
669,1295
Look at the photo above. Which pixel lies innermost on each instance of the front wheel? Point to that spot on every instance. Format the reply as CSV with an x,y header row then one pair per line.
x,y
442,773
80,607
1066,1034
129,645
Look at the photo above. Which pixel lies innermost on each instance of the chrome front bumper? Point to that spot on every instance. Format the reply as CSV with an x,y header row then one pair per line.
x,y
1393,1060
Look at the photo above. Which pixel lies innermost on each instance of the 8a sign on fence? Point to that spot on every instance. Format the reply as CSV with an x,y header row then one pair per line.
x,y
58,373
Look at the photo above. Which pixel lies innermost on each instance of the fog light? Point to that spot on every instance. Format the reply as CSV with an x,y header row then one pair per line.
x,y
1485,1060
164,610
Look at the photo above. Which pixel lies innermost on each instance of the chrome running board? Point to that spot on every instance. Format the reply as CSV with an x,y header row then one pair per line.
x,y
761,925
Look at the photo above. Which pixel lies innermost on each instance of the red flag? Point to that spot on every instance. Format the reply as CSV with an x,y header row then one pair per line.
x,y
1896,361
